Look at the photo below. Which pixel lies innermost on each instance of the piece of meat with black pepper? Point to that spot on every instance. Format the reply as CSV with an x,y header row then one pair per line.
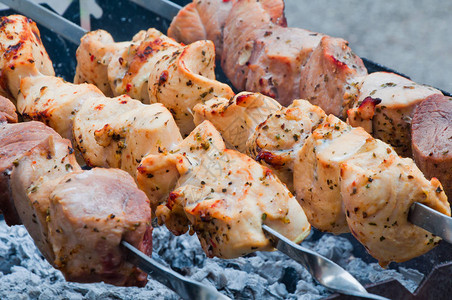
x,y
222,195
90,213
330,67
262,56
276,141
383,104
431,133
205,20
22,53
236,118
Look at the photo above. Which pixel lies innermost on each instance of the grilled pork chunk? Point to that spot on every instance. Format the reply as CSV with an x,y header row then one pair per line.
x,y
87,226
7,111
76,218
263,55
222,195
154,68
22,53
205,20
119,132
431,133
384,104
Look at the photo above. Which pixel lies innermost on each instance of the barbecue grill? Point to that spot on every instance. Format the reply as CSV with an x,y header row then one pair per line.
x,y
125,18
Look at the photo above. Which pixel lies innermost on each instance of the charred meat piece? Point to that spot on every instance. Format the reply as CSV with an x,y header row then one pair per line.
x,y
221,194
431,132
153,68
22,53
394,100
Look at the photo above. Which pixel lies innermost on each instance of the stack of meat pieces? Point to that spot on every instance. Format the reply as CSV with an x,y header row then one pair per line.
x,y
260,53
77,218
125,133
344,179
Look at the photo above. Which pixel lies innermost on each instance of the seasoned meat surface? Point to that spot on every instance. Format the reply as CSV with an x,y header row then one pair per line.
x,y
16,140
76,218
276,141
87,226
97,50
431,132
221,194
22,53
236,118
317,172
378,189
54,101
119,132
384,104
154,68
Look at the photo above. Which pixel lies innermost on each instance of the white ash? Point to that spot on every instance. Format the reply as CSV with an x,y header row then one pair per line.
x,y
24,273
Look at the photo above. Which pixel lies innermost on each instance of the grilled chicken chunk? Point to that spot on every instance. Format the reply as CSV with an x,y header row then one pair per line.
x,y
222,195
317,172
155,68
276,141
431,133
22,53
54,101
236,118
98,50
76,218
7,111
119,132
384,105
378,189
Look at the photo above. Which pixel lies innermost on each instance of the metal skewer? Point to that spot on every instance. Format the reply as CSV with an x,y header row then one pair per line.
x,y
322,269
184,287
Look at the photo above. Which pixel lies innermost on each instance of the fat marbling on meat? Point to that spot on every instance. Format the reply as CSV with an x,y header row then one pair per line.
x,y
22,53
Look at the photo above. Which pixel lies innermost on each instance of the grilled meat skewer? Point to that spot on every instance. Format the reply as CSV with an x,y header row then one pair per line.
x,y
122,132
261,54
76,218
342,177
